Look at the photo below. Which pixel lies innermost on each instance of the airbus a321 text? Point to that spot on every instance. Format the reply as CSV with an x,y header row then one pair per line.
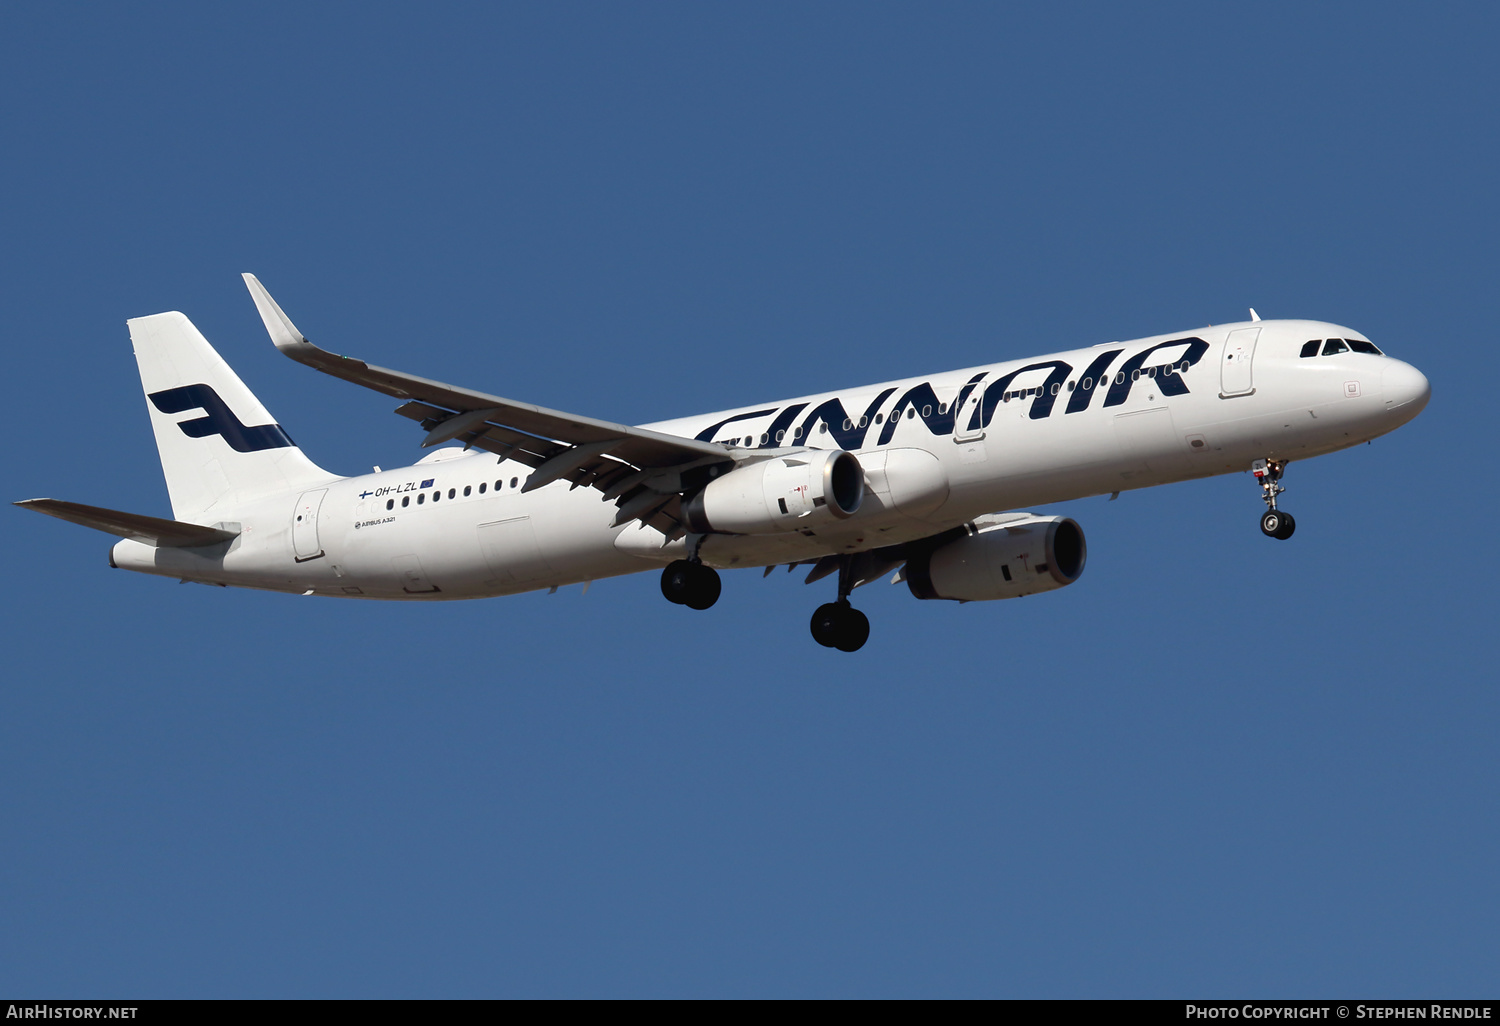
x,y
921,477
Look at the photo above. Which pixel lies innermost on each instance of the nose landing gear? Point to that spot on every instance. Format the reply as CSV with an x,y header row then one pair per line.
x,y
690,584
1273,523
838,624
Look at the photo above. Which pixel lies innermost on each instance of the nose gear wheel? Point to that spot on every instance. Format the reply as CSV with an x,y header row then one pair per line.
x,y
1276,524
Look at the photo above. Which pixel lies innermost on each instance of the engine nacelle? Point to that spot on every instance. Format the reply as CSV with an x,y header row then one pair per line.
x,y
1002,558
784,493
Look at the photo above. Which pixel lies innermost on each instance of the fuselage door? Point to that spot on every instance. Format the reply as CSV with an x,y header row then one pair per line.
x,y
1235,369
966,425
305,525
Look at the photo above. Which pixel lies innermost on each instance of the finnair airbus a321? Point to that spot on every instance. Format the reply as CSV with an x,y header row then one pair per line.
x,y
921,476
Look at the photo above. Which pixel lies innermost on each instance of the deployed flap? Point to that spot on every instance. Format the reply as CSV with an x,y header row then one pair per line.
x,y
151,530
636,446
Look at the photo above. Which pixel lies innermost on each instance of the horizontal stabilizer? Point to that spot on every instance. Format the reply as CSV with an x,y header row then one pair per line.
x,y
171,534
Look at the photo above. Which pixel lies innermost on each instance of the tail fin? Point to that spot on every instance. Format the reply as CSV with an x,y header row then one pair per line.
x,y
213,462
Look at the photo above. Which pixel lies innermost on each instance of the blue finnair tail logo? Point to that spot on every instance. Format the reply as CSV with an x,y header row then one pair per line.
x,y
220,420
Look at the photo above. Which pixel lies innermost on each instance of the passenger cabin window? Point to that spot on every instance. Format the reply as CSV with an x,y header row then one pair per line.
x,y
1361,346
421,498
1311,348
406,500
513,481
390,503
1334,345
451,493
482,487
467,490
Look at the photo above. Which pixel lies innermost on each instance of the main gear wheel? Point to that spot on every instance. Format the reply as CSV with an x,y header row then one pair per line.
x,y
691,584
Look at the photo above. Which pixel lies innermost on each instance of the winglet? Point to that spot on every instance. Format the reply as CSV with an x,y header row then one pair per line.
x,y
1253,315
283,332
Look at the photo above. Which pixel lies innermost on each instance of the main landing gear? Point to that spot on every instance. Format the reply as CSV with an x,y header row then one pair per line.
x,y
690,584
1273,522
838,624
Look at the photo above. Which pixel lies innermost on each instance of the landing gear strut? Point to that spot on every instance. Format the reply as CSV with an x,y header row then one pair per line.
x,y
1273,523
838,624
690,584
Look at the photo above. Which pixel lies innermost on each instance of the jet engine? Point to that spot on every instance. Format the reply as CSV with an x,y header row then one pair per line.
x,y
1001,557
784,493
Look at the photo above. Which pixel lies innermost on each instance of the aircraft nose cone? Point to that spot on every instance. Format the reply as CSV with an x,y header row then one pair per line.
x,y
1405,388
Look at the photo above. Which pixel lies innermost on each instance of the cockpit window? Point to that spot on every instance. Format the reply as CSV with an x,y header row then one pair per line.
x,y
1311,348
1361,346
1334,345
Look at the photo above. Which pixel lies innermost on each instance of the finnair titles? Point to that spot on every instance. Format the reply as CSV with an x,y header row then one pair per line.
x,y
924,478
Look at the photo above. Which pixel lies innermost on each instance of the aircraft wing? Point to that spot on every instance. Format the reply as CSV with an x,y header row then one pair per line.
x,y
617,459
151,530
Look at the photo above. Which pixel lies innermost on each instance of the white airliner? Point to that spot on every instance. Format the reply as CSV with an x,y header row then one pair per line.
x,y
913,476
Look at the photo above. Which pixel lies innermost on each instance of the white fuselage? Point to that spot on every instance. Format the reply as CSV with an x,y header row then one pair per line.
x,y
937,451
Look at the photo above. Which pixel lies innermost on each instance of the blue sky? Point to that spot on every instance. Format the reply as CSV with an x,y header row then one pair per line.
x,y
1216,766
